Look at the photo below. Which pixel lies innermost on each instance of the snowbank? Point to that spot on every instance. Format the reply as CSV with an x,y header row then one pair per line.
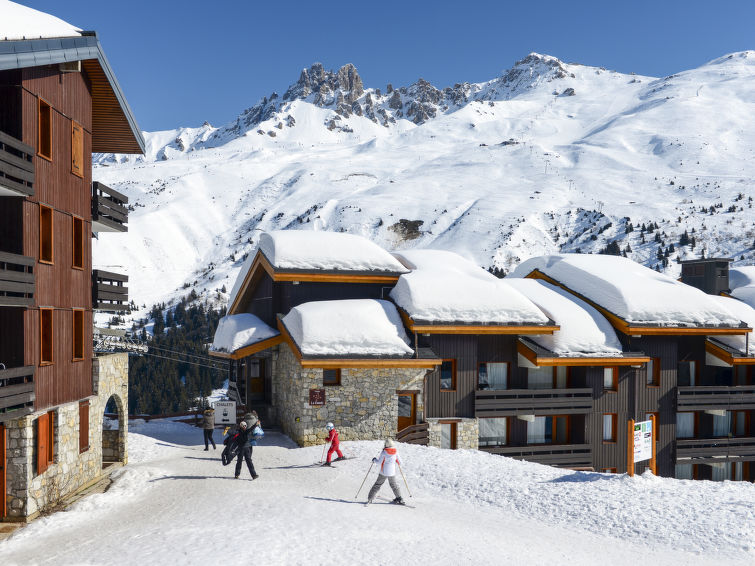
x,y
239,330
350,327
19,22
631,291
584,331
743,276
445,287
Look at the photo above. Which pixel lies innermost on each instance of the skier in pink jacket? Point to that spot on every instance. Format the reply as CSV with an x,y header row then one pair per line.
x,y
387,462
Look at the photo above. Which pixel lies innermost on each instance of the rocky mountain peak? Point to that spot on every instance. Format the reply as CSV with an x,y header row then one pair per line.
x,y
325,84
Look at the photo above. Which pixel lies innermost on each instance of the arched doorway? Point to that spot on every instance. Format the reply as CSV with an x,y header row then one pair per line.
x,y
113,432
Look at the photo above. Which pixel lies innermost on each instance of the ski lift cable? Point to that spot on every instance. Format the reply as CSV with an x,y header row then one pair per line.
x,y
160,349
185,362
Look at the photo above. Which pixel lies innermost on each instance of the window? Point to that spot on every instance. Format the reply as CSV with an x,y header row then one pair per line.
x,y
45,234
46,337
492,375
448,375
744,375
493,432
608,470
44,148
609,427
548,430
77,262
653,372
685,425
722,425
684,471
540,378
686,373
740,425
45,441
77,149
611,379
448,435
331,377
83,426
78,334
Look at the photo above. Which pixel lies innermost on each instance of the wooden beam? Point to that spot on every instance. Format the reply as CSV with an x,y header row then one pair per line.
x,y
726,356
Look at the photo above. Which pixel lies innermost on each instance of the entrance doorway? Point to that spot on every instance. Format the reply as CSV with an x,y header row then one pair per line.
x,y
3,483
407,410
256,380
113,432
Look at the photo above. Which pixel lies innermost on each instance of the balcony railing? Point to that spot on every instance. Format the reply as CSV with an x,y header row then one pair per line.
x,y
109,212
513,402
16,167
109,292
561,455
703,397
16,392
16,280
711,450
415,434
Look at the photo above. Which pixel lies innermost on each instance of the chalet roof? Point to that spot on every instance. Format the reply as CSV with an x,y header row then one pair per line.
x,y
636,300
241,335
743,345
445,289
538,356
583,331
29,38
742,283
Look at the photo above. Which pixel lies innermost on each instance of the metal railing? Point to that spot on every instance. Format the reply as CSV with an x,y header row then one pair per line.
x,y
109,212
705,397
16,392
513,402
415,434
16,280
109,292
16,167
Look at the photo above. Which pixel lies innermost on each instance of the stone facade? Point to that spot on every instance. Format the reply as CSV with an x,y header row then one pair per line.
x,y
28,493
363,407
467,433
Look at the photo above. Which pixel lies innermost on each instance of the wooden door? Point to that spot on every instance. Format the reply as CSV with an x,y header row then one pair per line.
x,y
407,410
256,387
3,486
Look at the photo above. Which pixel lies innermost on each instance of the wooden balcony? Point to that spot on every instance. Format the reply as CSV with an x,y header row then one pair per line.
x,y
514,402
560,455
703,397
16,167
109,212
16,392
415,434
712,450
109,292
16,280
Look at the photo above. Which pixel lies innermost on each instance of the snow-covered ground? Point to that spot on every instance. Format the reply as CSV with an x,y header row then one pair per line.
x,y
176,504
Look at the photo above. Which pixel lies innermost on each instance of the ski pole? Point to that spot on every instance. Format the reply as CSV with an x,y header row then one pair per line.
x,y
403,476
323,452
364,480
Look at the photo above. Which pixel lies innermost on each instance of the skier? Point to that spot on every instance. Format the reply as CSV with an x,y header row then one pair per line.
x,y
387,462
247,437
208,424
334,444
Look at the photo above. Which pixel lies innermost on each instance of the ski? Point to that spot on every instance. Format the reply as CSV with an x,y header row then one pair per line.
x,y
390,501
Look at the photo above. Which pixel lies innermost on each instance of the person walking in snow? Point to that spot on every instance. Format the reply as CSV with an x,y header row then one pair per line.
x,y
247,437
387,462
208,424
335,444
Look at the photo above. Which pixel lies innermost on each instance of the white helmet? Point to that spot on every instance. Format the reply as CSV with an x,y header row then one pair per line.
x,y
330,426
243,424
388,443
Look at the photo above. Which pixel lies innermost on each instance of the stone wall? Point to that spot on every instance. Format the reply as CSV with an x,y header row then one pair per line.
x,y
29,493
467,433
363,407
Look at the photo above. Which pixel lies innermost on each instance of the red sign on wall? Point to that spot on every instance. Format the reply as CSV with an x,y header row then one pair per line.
x,y
316,396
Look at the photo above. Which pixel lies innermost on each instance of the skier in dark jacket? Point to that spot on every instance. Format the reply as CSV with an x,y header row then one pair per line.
x,y
208,424
247,435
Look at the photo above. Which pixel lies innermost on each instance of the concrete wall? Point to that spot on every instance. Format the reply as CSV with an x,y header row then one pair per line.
x,y
363,407
29,493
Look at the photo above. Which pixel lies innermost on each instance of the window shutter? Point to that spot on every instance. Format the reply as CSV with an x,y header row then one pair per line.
x,y
43,431
83,426
77,149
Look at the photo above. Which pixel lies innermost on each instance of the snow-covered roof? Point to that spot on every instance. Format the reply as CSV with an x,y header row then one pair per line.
x,y
742,283
20,22
353,327
584,331
744,312
444,287
240,330
635,293
326,251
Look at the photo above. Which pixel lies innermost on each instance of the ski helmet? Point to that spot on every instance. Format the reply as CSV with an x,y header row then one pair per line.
x,y
388,443
329,426
242,424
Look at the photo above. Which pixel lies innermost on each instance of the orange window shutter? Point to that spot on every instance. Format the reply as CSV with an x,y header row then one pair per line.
x,y
50,437
77,149
42,440
84,426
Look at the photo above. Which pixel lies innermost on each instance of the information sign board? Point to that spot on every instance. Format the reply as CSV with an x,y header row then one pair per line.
x,y
643,441
225,412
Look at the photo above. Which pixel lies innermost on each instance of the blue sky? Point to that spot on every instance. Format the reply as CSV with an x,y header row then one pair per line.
x,y
183,62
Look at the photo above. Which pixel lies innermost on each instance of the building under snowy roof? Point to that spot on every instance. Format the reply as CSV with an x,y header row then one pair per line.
x,y
636,300
446,293
313,256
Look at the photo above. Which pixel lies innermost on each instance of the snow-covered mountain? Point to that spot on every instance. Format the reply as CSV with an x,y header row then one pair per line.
x,y
547,157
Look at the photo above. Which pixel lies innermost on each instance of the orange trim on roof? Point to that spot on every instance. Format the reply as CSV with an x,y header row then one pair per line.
x,y
542,361
726,356
475,328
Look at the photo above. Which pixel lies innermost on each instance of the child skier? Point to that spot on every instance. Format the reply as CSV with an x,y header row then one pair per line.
x,y
334,444
387,462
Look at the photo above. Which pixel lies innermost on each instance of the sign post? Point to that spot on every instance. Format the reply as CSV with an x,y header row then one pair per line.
x,y
225,412
641,444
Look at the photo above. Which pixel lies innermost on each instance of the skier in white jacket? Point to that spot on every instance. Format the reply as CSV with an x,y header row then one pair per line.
x,y
387,462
